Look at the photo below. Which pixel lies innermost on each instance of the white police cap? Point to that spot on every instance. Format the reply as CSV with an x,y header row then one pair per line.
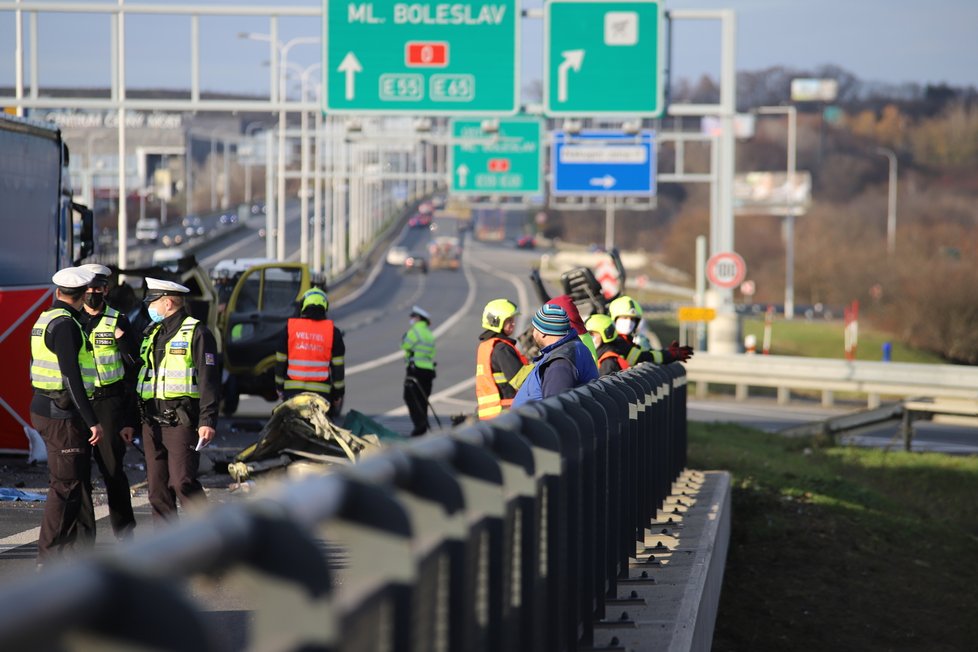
x,y
72,278
97,269
156,288
421,312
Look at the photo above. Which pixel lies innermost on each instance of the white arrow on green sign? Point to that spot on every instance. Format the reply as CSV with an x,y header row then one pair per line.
x,y
509,162
603,58
388,56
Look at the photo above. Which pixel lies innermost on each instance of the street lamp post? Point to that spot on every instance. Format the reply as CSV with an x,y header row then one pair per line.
x,y
247,164
789,219
891,199
278,62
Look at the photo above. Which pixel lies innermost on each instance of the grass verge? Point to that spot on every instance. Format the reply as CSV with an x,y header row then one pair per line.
x,y
843,548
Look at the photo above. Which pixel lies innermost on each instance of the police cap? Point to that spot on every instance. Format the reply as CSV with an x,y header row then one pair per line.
x,y
101,273
156,288
72,278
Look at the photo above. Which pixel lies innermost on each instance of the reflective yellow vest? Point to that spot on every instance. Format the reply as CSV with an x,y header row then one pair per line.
x,y
419,346
45,370
176,377
108,357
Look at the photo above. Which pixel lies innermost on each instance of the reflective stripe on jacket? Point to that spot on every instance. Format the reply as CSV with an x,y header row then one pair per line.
x,y
108,357
419,346
611,355
45,370
309,355
487,382
176,377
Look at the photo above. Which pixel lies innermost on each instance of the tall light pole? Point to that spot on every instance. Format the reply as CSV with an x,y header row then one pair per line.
x,y
789,219
891,200
304,147
247,133
280,57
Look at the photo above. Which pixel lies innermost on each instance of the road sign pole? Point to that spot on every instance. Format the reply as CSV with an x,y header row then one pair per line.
x,y
609,223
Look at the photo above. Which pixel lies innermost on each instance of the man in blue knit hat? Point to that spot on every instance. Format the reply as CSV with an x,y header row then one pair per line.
x,y
564,361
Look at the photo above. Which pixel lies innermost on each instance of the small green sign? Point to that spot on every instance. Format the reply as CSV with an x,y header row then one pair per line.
x,y
603,58
386,56
509,162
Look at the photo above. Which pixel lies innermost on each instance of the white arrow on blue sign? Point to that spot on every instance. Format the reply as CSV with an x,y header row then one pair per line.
x,y
603,162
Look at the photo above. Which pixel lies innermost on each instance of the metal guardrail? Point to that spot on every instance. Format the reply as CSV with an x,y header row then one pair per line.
x,y
901,379
504,535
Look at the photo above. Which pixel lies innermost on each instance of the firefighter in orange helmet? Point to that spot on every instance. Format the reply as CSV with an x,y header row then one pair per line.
x,y
499,368
312,357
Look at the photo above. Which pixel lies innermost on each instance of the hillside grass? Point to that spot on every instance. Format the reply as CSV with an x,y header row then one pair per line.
x,y
843,548
813,338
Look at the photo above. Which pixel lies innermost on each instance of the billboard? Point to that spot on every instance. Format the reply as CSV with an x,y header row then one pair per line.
x,y
814,90
769,193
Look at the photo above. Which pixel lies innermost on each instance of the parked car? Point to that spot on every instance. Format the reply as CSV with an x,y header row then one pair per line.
x,y
397,255
148,230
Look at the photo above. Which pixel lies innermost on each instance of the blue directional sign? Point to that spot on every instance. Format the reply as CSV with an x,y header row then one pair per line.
x,y
603,162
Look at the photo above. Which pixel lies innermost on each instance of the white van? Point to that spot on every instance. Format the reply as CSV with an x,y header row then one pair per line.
x,y
148,230
168,258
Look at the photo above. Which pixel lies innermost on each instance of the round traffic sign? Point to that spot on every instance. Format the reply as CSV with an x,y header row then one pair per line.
x,y
726,270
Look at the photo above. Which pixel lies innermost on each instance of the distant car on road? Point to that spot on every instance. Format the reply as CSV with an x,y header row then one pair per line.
x,y
416,264
148,230
397,255
192,226
420,220
526,242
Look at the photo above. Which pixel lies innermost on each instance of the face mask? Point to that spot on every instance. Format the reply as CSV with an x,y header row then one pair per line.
x,y
624,325
94,300
596,338
154,316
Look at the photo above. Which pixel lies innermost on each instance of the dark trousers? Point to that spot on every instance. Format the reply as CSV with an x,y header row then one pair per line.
x,y
417,389
69,517
171,469
109,453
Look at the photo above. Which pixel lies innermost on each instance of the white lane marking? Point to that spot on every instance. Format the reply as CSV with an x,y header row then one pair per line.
x,y
445,394
30,536
449,323
379,265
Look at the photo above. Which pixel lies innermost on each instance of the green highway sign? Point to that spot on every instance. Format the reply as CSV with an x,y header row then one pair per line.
x,y
432,57
509,162
603,58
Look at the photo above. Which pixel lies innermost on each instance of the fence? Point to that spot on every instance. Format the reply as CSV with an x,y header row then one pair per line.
x,y
504,535
874,379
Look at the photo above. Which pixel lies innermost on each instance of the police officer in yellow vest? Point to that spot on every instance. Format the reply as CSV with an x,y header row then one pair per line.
x,y
179,389
312,354
116,361
419,354
63,377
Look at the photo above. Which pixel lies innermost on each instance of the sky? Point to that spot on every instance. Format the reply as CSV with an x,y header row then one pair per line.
x,y
891,41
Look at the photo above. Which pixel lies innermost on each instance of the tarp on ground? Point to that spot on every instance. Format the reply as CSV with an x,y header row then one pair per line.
x,y
360,424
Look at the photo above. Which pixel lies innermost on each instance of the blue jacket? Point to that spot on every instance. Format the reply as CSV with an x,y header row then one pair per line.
x,y
565,364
